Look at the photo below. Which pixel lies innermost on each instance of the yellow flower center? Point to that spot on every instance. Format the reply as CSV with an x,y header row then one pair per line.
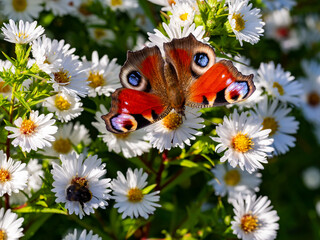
x,y
242,143
61,103
116,2
47,61
313,99
62,77
172,121
19,5
279,87
84,9
3,235
62,145
184,16
4,175
240,22
135,195
122,135
249,223
4,88
96,80
232,177
28,127
99,33
270,123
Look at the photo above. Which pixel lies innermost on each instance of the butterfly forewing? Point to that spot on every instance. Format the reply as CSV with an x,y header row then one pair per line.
x,y
181,55
144,70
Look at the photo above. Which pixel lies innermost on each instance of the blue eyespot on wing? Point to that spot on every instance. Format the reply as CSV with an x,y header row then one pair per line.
x,y
134,78
201,59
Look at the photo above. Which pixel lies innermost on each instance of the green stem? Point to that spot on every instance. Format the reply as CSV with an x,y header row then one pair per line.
x,y
8,142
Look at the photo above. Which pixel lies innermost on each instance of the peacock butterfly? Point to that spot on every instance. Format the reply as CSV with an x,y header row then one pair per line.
x,y
187,76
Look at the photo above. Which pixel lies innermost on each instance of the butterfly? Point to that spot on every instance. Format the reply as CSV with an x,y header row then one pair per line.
x,y
188,75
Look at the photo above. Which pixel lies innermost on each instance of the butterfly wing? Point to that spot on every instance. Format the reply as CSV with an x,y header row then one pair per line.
x,y
181,55
205,83
132,109
144,71
143,100
220,85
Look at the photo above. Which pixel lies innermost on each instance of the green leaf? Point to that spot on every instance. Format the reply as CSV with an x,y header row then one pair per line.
x,y
33,209
22,101
188,163
148,189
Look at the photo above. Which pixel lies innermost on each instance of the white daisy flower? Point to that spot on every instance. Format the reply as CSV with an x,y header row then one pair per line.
x,y
311,177
79,184
5,89
278,27
245,22
175,130
99,33
82,235
62,7
141,19
22,10
310,34
13,175
102,75
33,133
65,106
129,196
233,181
175,31
311,91
274,116
280,84
10,224
122,5
130,144
182,14
48,53
244,140
254,218
67,136
167,5
279,4
311,100
70,77
24,33
34,183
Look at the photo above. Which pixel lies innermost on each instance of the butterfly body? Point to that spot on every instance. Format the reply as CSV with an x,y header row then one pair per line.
x,y
187,76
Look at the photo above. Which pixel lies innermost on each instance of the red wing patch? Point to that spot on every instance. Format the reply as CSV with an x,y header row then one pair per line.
x,y
220,85
217,78
136,102
132,109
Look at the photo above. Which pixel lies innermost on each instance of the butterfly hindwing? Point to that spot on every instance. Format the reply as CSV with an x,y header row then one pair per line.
x,y
132,110
220,85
